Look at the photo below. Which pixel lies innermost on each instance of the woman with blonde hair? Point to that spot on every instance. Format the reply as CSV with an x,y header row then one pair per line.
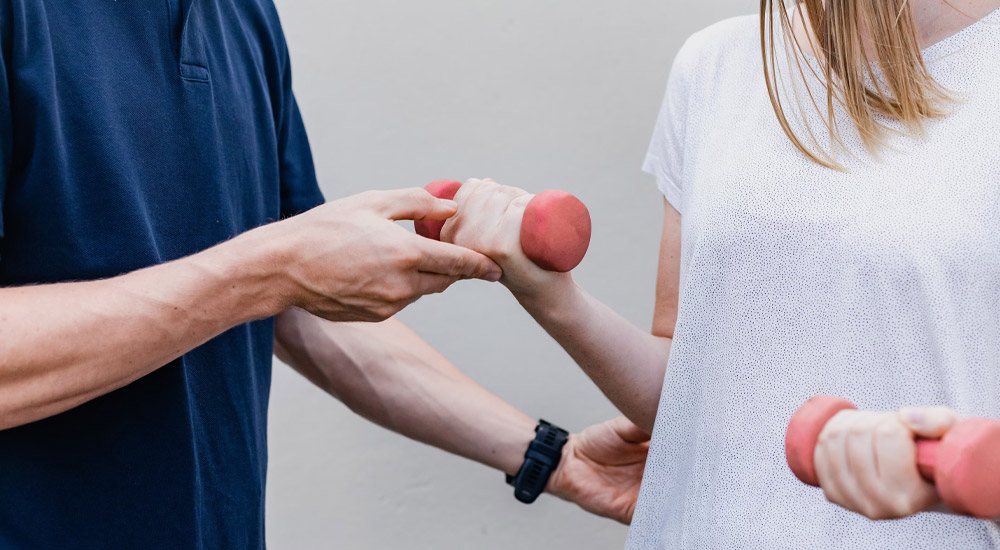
x,y
831,227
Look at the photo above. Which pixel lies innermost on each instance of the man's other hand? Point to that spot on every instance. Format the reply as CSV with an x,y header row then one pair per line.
x,y
601,469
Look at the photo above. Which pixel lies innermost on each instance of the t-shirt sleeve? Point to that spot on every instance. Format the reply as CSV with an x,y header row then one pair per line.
x,y
665,158
299,188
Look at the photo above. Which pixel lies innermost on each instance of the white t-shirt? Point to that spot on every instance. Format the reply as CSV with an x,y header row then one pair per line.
x,y
880,284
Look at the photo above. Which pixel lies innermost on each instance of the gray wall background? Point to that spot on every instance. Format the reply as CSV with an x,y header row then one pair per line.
x,y
535,93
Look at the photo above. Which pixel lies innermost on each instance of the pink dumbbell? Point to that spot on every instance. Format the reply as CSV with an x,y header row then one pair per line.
x,y
555,229
964,464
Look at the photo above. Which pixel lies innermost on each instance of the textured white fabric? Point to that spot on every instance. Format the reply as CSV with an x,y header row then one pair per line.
x,y
881,285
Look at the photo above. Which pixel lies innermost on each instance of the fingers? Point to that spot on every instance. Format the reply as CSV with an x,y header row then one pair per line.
x,y
928,422
907,491
482,207
510,223
866,462
860,453
831,459
411,204
456,261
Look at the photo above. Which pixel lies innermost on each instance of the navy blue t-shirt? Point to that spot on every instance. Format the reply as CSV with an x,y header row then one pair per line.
x,y
132,134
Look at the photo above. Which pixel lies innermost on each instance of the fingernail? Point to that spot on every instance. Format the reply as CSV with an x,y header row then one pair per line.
x,y
913,416
449,203
493,276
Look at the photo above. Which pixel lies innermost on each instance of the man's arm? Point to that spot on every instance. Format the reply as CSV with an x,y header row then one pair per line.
x,y
62,345
389,375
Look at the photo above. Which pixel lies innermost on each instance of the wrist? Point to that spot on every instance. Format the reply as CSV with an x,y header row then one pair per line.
x,y
541,461
558,482
255,265
510,453
551,303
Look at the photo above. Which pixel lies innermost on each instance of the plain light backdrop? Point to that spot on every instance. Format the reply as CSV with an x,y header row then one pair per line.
x,y
535,93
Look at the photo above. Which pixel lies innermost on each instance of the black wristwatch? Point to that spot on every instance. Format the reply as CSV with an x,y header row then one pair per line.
x,y
540,461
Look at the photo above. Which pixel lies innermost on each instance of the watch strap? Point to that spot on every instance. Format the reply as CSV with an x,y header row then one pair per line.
x,y
540,460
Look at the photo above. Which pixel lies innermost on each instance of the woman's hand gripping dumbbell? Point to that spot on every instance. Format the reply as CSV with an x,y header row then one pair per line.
x,y
961,458
551,229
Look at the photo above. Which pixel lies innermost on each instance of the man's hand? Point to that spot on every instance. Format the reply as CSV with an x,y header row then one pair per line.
x,y
866,461
489,221
601,469
348,261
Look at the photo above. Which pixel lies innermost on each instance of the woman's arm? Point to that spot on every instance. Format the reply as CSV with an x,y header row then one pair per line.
x,y
627,363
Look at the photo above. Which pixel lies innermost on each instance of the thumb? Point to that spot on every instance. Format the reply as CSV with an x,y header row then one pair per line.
x,y
415,204
928,422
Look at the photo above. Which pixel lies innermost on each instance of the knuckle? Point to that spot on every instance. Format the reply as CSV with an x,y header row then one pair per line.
x,y
521,201
452,229
404,257
830,435
410,257
498,253
904,505
509,193
891,431
403,292
397,290
875,513
419,195
461,264
369,196
384,312
858,430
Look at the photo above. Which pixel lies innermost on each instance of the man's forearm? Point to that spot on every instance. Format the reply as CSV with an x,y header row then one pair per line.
x,y
62,345
626,362
388,374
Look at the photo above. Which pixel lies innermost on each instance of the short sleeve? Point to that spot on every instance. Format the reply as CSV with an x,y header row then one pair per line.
x,y
299,188
665,158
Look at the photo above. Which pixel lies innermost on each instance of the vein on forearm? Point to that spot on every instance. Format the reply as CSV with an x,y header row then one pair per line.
x,y
64,344
387,374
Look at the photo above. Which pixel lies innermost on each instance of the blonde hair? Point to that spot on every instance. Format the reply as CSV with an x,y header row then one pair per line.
x,y
852,40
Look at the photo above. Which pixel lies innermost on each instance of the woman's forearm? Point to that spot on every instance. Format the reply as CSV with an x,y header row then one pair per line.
x,y
626,362
386,373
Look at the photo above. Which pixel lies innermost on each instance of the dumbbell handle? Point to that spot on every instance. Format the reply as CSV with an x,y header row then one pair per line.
x,y
927,456
555,229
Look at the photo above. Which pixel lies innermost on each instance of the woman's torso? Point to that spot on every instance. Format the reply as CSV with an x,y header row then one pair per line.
x,y
880,284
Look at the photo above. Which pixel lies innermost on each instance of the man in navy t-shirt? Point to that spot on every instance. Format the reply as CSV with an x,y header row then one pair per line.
x,y
161,231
